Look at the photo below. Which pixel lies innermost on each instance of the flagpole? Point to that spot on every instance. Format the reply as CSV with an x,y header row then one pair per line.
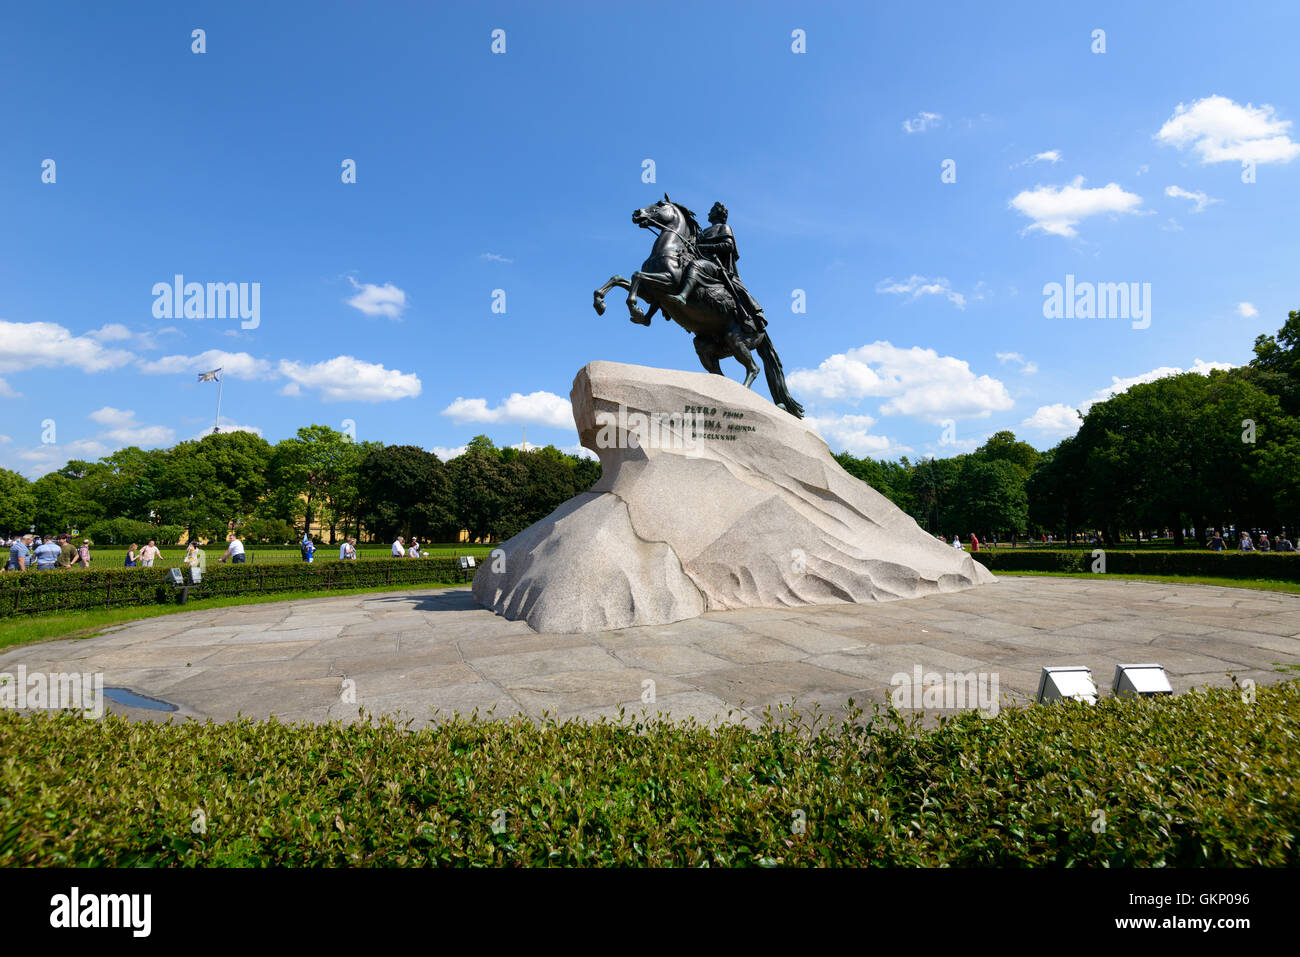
x,y
216,426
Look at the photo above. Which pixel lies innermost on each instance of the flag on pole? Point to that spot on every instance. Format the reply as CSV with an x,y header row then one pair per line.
x,y
210,376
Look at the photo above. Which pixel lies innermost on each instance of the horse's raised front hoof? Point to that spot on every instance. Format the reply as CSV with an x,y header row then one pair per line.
x,y
635,311
599,305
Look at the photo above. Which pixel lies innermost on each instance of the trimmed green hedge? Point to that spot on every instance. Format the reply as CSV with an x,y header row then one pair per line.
x,y
1200,779
26,593
1277,566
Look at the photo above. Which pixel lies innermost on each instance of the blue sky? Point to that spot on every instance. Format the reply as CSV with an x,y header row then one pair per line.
x,y
476,171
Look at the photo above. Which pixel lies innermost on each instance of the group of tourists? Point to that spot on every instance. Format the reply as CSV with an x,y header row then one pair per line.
x,y
1247,543
34,553
402,550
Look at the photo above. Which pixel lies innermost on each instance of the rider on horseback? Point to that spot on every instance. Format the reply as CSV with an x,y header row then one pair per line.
x,y
718,245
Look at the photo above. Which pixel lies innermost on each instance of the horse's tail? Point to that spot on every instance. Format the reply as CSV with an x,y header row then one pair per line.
x,y
776,378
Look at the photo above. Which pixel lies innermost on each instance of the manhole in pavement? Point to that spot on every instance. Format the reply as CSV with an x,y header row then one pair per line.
x,y
128,697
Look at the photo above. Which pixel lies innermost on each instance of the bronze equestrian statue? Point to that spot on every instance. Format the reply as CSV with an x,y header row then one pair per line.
x,y
690,276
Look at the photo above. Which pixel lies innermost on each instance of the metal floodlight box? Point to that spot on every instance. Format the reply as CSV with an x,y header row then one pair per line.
x,y
1067,681
174,576
196,574
1142,680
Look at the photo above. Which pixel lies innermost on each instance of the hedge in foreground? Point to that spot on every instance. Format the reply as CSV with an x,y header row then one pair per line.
x,y
25,593
1276,566
1198,779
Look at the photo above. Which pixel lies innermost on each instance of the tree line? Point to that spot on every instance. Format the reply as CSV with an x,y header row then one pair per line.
x,y
1189,451
237,480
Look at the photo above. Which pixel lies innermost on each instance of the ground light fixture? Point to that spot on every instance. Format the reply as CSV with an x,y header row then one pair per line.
x,y
1067,681
1143,680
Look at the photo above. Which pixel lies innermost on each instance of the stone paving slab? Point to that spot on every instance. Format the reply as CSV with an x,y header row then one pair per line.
x,y
425,656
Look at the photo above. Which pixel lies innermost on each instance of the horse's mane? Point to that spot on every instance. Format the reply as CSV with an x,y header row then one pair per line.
x,y
691,221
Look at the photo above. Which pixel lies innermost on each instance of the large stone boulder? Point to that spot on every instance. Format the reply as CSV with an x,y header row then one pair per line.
x,y
711,498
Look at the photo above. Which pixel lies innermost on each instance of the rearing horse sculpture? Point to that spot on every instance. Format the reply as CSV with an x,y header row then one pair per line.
x,y
711,312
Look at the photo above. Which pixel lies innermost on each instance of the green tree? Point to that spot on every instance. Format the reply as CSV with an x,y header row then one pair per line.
x,y
17,503
991,498
405,490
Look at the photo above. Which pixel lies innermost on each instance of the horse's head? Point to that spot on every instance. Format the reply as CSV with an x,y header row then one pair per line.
x,y
666,215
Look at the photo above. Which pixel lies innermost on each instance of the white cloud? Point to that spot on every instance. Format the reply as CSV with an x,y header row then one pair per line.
x,y
233,365
345,378
40,459
916,286
1026,367
227,425
24,345
1118,385
1057,420
291,389
1058,209
1060,420
446,454
580,450
1047,156
112,332
917,382
1219,130
1200,199
494,258
125,430
7,391
112,417
386,300
852,434
1247,310
536,408
921,122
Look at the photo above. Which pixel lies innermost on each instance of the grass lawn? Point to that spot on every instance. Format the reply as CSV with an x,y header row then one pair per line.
x,y
1258,584
87,624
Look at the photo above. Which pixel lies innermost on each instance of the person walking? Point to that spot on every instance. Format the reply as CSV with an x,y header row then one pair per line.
x,y
130,555
348,550
191,558
148,554
234,551
414,550
1246,544
956,543
399,549
974,543
83,553
309,551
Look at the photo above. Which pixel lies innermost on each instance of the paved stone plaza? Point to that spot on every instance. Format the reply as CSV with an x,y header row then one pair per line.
x,y
410,652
